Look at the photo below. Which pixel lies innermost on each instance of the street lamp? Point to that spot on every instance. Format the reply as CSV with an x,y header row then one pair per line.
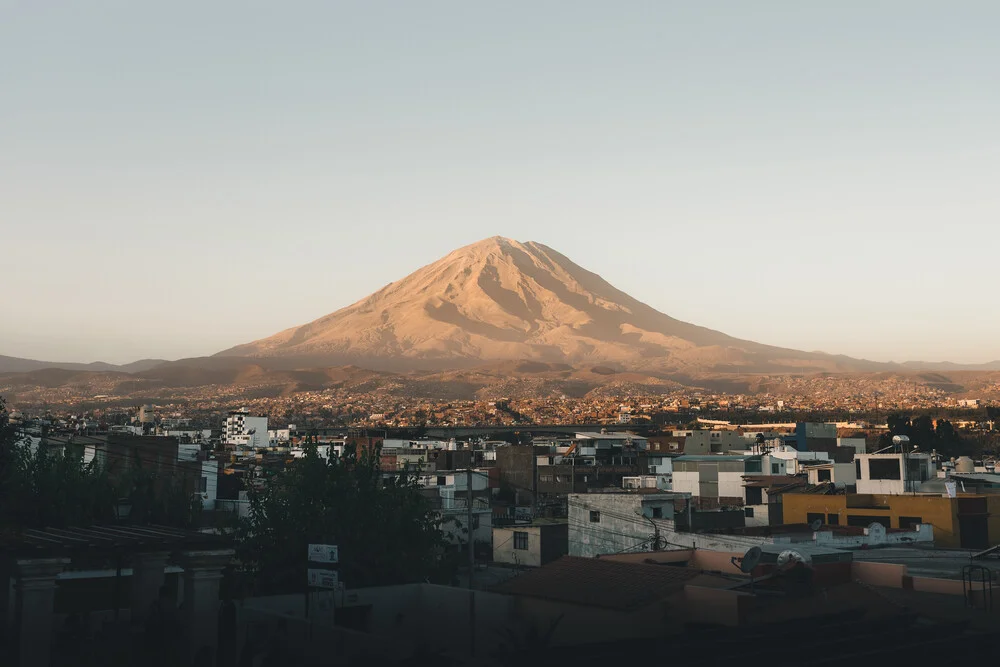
x,y
123,508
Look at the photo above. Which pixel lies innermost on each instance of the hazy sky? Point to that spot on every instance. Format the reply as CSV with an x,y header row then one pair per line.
x,y
179,177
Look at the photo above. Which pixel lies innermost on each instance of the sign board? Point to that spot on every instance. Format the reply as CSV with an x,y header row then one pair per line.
x,y
951,488
324,553
324,579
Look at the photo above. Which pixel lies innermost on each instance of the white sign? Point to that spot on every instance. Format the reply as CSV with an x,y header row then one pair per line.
x,y
951,488
324,579
324,553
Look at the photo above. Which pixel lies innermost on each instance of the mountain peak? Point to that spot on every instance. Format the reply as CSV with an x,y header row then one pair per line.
x,y
499,299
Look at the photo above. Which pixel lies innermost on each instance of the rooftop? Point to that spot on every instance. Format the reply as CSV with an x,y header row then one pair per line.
x,y
595,582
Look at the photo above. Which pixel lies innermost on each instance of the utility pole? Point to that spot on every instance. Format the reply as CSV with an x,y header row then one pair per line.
x,y
472,566
472,552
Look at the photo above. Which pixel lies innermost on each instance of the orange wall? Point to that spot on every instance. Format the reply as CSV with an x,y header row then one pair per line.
x,y
940,512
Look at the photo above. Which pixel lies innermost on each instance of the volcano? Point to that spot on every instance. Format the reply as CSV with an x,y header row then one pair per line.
x,y
503,300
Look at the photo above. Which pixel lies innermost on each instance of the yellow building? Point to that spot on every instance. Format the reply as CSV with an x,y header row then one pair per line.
x,y
966,522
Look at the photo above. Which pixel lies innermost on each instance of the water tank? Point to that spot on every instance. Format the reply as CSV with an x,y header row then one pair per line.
x,y
964,464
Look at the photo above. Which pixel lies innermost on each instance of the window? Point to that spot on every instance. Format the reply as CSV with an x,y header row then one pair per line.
x,y
475,522
752,466
657,512
755,495
813,516
857,468
520,541
883,469
595,517
910,522
441,480
748,512
775,468
833,519
823,475
203,485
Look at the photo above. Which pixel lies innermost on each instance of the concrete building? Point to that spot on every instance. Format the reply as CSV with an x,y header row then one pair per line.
x,y
893,473
718,480
449,491
612,522
245,431
841,475
714,442
531,545
966,521
146,414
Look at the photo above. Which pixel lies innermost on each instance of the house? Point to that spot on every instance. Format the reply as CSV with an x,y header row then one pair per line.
x,y
532,545
449,493
893,473
619,520
763,495
841,475
717,480
967,521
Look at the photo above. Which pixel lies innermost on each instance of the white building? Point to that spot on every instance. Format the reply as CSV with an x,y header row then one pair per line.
x,y
244,431
839,474
893,473
614,522
718,479
452,495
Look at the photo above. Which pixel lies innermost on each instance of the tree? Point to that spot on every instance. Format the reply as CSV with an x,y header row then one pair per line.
x,y
923,433
387,531
40,489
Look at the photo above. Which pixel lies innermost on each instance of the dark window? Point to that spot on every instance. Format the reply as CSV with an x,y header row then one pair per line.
x,y
823,475
203,485
521,541
857,468
441,481
833,519
775,468
883,469
657,512
748,512
475,522
910,522
595,517
813,516
752,466
755,495
862,521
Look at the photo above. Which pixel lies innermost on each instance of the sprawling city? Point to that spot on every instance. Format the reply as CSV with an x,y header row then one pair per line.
x,y
526,334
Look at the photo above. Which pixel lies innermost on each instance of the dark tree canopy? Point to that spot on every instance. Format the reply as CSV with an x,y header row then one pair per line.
x,y
387,531
923,433
40,489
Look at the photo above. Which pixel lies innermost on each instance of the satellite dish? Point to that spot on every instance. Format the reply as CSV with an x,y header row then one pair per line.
x,y
750,560
816,525
876,531
788,558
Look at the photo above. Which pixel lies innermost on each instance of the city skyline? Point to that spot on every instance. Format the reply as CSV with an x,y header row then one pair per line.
x,y
183,179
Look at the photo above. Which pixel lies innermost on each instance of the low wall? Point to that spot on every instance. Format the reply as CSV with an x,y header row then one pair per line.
x,y
887,575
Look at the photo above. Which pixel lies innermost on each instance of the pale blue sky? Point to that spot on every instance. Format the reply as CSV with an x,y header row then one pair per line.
x,y
178,177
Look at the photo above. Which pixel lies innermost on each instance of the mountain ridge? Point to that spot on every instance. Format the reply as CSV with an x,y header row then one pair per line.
x,y
502,299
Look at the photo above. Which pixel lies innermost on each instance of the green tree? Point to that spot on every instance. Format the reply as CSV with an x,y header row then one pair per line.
x,y
387,531
39,489
923,433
